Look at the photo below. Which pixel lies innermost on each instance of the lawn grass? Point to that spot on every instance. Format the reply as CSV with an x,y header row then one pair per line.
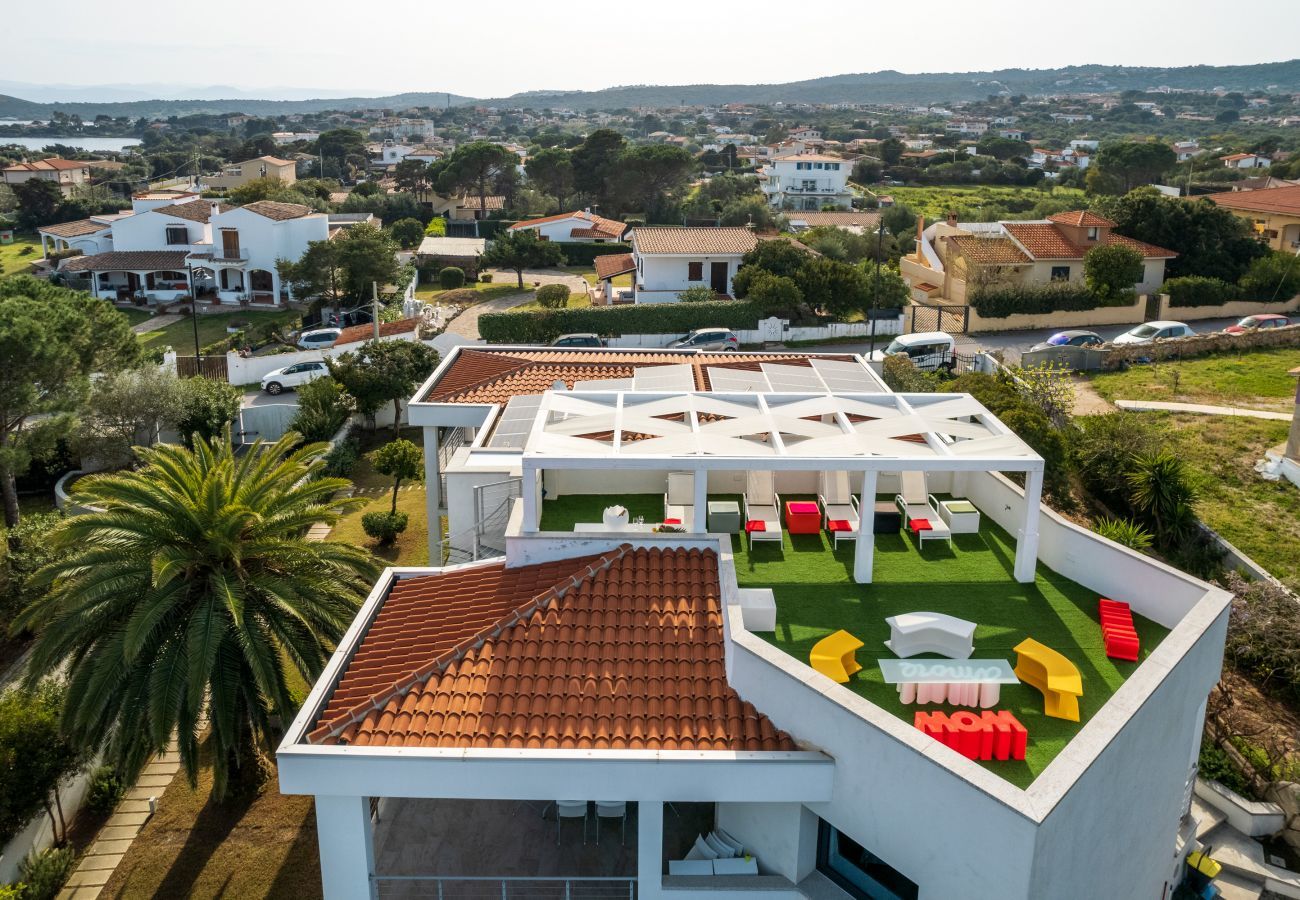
x,y
816,595
430,292
1261,518
589,275
134,316
212,329
935,202
1256,378
412,545
262,848
13,261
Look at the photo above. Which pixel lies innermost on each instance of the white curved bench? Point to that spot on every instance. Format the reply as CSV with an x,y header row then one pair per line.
x,y
930,632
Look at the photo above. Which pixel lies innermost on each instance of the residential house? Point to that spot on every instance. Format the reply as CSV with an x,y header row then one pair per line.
x,y
389,154
68,174
667,261
858,222
1185,150
291,137
805,133
426,154
807,181
950,255
581,226
240,174
460,252
1013,134
1246,161
1273,213
577,653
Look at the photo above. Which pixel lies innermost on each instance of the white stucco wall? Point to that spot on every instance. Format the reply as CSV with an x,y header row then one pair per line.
x,y
671,273
148,231
781,836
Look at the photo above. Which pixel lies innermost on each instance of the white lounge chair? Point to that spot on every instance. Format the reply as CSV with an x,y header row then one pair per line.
x,y
679,502
838,505
915,503
762,504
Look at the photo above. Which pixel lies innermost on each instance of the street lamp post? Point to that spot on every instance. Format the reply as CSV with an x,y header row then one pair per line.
x,y
875,287
194,314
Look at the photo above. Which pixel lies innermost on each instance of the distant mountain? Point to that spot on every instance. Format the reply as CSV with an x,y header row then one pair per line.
x,y
127,93
871,87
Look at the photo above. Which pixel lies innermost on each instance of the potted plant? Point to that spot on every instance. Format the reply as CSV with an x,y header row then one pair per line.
x,y
616,517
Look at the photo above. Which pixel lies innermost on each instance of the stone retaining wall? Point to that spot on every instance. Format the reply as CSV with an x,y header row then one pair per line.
x,y
1118,355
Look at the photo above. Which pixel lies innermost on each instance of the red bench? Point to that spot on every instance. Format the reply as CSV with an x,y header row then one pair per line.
x,y
983,735
1117,630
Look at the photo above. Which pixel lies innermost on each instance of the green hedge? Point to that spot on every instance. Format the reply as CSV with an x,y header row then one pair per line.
x,y
577,253
542,326
1196,290
490,228
1036,299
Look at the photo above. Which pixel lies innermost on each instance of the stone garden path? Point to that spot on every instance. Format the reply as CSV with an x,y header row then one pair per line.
x,y
157,323
1204,409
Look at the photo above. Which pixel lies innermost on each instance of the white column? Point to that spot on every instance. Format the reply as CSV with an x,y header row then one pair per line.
x,y
346,841
865,551
699,523
1027,540
649,849
44,252
531,517
433,493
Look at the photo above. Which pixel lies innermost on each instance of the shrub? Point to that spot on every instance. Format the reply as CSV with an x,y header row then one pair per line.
x,y
553,296
45,873
17,891
322,410
451,278
340,461
1264,633
106,789
902,375
773,293
1000,301
579,253
1271,279
1197,290
1216,765
485,277
542,326
1160,491
700,293
1125,532
437,227
384,526
27,552
209,407
1103,449
1111,271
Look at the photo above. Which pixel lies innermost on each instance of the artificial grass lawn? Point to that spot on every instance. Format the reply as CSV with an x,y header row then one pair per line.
x,y
816,595
262,848
1258,378
212,329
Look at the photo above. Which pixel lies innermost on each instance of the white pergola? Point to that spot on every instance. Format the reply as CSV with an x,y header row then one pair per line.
x,y
757,431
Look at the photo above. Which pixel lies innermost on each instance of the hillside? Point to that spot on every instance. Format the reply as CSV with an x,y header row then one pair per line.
x,y
871,87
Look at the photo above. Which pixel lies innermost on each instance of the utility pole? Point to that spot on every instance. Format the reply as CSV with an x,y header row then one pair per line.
x,y
875,288
194,317
374,291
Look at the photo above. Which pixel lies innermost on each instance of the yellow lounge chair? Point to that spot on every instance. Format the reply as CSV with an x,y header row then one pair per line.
x,y
833,656
1042,667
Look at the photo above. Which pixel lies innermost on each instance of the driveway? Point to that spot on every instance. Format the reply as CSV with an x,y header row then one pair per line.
x,y
466,324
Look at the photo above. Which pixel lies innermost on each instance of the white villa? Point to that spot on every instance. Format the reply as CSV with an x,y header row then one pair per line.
x,y
169,237
581,226
666,261
807,181
627,636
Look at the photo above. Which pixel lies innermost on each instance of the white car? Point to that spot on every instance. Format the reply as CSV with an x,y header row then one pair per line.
x,y
929,350
319,338
294,376
1154,331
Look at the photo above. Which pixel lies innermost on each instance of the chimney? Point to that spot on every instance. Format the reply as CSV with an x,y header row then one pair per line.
x,y
952,218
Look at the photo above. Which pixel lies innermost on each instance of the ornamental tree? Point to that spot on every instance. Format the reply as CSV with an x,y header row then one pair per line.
x,y
1110,272
519,250
383,371
401,461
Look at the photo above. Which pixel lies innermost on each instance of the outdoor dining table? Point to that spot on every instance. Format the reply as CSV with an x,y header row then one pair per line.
x,y
960,682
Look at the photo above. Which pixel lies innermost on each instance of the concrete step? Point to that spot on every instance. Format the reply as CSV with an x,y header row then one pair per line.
x,y
89,877
1236,887
1207,817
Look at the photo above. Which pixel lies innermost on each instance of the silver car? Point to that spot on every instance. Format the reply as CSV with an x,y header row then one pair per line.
x,y
708,339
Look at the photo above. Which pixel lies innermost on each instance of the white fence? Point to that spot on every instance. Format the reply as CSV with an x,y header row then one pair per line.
x,y
776,331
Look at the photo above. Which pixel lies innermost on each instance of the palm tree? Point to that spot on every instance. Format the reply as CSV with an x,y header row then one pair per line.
x,y
186,593
1160,491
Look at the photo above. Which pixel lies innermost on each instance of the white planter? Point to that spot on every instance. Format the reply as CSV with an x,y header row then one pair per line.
x,y
615,521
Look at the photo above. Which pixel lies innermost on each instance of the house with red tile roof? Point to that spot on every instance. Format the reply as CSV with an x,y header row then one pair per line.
x,y
1273,213
714,711
668,260
951,254
68,174
582,226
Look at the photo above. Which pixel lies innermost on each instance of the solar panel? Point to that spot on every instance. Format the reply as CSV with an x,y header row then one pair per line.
x,y
845,377
515,422
792,379
737,380
665,378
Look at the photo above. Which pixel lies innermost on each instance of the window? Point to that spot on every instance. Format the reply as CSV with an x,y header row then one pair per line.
x,y
1093,233
695,271
1060,273
857,870
177,234
833,166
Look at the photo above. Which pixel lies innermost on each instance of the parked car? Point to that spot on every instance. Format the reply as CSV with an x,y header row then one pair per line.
x,y
293,376
1262,320
708,339
578,340
929,350
1154,331
1072,338
319,338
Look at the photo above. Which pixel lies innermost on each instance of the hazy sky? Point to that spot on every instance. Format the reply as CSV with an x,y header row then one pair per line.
x,y
487,49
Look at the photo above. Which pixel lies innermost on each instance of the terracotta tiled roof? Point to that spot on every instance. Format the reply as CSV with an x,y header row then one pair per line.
x,y
193,211
1083,219
129,261
621,651
866,220
477,202
614,264
276,211
704,241
1044,240
494,376
53,164
989,251
598,225
1284,200
354,333
73,229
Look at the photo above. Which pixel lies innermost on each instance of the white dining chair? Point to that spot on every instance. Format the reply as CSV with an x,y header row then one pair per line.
x,y
570,809
611,809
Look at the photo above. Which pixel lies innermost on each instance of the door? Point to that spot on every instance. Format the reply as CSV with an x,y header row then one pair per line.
x,y
718,277
230,243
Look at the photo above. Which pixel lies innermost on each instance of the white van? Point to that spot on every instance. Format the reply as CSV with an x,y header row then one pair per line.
x,y
929,350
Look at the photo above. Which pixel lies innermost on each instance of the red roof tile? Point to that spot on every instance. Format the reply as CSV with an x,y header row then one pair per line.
x,y
612,264
1285,200
1044,240
621,651
354,333
1082,218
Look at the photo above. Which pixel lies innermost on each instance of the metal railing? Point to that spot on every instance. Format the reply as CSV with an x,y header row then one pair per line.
x,y
419,887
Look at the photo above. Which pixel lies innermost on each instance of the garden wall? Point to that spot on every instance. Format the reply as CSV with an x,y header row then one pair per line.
x,y
780,332
1234,308
1130,314
1118,355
